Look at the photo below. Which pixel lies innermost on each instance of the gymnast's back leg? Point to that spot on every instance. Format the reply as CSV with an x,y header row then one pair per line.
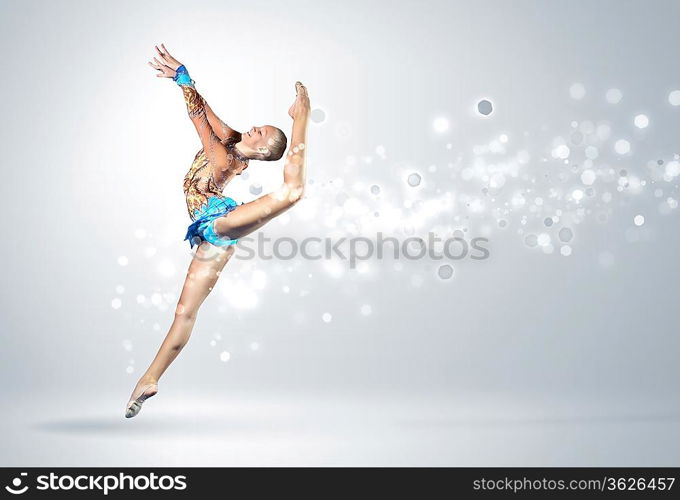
x,y
203,272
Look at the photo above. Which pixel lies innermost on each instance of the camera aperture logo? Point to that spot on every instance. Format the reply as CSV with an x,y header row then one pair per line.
x,y
16,487
105,483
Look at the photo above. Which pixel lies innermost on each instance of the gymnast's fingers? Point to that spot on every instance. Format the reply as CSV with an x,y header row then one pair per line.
x,y
159,71
167,52
160,54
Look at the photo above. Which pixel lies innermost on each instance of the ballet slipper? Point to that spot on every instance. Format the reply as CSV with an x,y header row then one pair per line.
x,y
135,405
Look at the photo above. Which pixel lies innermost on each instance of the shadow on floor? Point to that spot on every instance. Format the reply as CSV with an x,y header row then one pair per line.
x,y
150,427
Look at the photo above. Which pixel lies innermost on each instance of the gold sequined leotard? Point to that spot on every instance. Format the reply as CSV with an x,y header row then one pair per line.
x,y
200,181
204,179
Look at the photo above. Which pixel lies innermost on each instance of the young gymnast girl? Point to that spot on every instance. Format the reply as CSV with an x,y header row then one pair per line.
x,y
217,220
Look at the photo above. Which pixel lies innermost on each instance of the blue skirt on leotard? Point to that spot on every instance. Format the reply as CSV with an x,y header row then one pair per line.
x,y
202,228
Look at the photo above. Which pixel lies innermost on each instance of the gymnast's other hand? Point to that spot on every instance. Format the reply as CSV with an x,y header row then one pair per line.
x,y
300,108
167,66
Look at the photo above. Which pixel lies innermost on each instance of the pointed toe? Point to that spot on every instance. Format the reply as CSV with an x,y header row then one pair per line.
x,y
135,405
132,409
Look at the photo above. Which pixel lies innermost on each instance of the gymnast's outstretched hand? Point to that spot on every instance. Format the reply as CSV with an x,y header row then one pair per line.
x,y
167,66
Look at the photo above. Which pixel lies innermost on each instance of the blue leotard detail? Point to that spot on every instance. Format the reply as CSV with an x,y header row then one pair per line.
x,y
203,226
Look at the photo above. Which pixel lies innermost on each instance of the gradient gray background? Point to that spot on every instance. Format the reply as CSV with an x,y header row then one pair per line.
x,y
521,359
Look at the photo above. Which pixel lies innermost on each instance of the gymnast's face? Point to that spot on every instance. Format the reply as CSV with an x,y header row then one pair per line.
x,y
257,137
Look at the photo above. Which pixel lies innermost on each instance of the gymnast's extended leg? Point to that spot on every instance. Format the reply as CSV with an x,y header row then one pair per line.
x,y
248,217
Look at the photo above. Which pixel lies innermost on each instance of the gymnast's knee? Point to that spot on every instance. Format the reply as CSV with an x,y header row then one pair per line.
x,y
289,193
178,346
184,313
296,194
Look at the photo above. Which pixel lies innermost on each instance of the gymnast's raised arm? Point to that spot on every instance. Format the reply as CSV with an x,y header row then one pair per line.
x,y
211,130
221,129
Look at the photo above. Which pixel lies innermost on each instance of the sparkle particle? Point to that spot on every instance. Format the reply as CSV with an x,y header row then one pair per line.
x,y
641,121
577,91
613,96
445,271
485,107
318,115
414,180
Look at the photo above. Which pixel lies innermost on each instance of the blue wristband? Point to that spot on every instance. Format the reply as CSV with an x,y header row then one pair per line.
x,y
182,76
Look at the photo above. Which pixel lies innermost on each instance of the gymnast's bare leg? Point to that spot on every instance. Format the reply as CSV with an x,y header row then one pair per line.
x,y
251,216
204,270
